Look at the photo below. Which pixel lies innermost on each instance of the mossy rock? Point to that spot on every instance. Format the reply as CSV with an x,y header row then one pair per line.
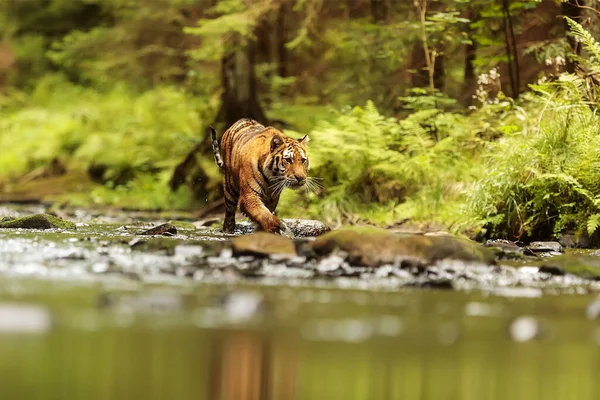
x,y
453,247
584,266
37,221
263,244
370,246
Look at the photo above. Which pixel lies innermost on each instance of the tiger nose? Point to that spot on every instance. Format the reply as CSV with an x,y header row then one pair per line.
x,y
300,179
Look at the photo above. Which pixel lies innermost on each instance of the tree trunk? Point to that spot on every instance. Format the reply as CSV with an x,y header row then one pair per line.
x,y
239,100
378,10
281,39
439,72
511,50
238,80
571,9
419,78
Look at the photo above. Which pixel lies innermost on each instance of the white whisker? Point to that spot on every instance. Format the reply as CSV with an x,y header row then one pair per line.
x,y
314,184
279,183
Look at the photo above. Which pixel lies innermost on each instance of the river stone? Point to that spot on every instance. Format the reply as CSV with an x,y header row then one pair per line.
x,y
37,221
297,227
163,229
584,266
508,250
579,240
306,227
370,246
545,247
263,244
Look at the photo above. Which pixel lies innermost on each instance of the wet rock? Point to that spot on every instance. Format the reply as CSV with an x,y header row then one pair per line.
x,y
300,228
306,227
584,266
571,239
363,246
501,243
37,221
167,229
545,247
263,244
244,228
508,250
370,246
568,240
552,270
330,263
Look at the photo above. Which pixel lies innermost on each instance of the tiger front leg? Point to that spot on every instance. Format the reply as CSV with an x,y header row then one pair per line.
x,y
272,204
257,211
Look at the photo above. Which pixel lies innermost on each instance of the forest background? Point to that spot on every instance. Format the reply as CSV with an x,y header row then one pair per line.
x,y
478,116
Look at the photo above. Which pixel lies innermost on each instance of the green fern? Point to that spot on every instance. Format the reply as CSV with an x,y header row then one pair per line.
x,y
593,223
589,43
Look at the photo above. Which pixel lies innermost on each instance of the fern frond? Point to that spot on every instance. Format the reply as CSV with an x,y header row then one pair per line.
x,y
589,43
593,223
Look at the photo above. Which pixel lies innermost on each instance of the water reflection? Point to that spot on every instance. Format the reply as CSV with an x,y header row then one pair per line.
x,y
224,343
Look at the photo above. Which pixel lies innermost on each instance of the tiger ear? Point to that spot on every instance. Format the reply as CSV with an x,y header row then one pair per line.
x,y
304,140
276,142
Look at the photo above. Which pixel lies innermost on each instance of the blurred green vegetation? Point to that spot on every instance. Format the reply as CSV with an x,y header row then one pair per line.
x,y
479,116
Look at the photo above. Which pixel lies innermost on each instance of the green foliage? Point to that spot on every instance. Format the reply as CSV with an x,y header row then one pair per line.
x,y
544,178
144,192
420,98
131,138
590,44
122,89
380,168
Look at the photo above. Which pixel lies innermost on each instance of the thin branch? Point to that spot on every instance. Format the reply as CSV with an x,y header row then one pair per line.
x,y
421,6
586,7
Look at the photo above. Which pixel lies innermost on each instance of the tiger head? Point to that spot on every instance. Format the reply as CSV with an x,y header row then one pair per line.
x,y
289,162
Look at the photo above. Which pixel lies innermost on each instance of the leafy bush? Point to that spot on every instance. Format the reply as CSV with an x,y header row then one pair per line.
x,y
546,178
120,133
384,169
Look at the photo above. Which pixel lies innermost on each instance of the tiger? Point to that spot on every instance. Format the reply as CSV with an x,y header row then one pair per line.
x,y
258,162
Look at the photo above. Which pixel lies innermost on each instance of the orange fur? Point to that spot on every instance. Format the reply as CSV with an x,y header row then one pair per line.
x,y
258,162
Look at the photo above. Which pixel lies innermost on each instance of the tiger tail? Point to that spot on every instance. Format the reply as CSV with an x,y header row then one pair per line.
x,y
216,148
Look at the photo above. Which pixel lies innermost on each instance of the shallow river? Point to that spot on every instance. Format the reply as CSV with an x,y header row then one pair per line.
x,y
73,326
